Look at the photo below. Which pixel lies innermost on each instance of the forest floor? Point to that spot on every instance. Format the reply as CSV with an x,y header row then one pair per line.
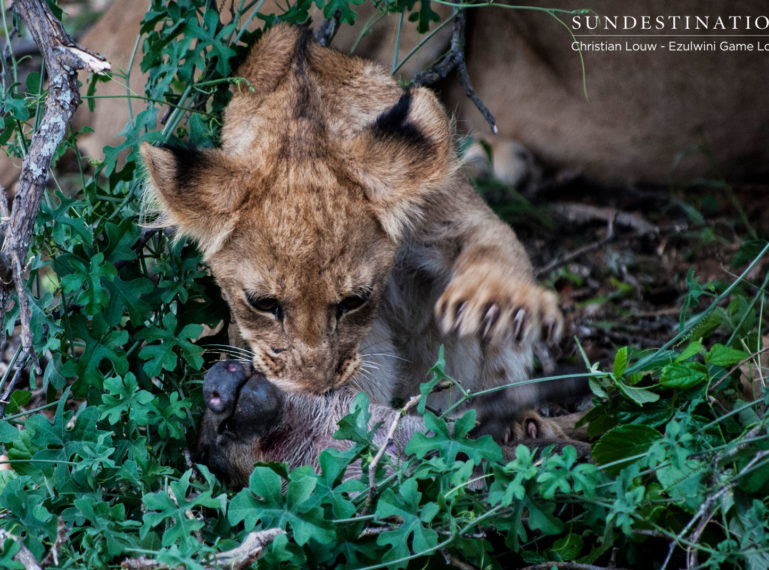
x,y
623,258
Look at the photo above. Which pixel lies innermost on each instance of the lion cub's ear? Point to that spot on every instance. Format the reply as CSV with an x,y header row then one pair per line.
x,y
197,190
405,157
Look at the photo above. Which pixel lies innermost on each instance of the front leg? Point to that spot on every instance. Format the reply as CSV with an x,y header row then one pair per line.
x,y
491,294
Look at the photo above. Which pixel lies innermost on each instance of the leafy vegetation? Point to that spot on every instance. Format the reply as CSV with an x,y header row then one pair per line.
x,y
97,442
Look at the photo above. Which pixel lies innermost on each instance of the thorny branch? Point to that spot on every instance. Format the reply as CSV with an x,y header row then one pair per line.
x,y
455,59
62,61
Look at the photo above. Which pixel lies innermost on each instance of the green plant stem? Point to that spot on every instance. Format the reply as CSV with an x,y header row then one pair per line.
x,y
471,395
423,41
758,295
10,368
31,411
397,44
643,362
128,77
247,23
370,23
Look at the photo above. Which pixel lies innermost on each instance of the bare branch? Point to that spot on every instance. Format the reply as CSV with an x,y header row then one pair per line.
x,y
455,59
61,537
240,557
62,60
325,33
248,552
383,448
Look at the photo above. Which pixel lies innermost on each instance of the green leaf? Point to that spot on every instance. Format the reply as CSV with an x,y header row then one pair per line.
x,y
620,363
509,482
706,326
622,443
18,399
173,506
683,375
596,388
347,14
263,503
725,356
15,106
448,446
638,395
694,347
541,518
405,506
127,295
438,376
124,396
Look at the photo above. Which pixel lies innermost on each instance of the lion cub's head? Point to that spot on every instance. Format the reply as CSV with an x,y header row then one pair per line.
x,y
324,166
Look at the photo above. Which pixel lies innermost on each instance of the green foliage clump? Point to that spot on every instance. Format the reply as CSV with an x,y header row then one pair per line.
x,y
99,472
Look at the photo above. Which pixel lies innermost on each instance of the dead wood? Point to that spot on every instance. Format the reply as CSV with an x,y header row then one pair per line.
x,y
63,58
455,60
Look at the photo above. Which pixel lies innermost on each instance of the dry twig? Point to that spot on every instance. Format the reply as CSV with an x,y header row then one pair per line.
x,y
325,33
540,273
62,61
585,213
567,566
383,448
452,560
704,515
455,59
61,537
248,552
235,559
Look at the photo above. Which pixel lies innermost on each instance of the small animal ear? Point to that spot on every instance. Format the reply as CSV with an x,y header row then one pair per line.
x,y
405,157
195,190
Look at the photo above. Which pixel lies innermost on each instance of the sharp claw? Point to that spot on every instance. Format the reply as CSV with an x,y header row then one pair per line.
x,y
458,316
531,429
518,321
490,318
548,331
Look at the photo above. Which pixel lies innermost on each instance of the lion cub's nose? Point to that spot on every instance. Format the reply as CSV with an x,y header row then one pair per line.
x,y
245,403
222,383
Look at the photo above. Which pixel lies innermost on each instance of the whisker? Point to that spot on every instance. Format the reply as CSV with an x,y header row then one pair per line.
x,y
229,350
370,365
230,346
388,354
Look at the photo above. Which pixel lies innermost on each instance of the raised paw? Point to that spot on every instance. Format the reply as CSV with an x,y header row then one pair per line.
x,y
498,309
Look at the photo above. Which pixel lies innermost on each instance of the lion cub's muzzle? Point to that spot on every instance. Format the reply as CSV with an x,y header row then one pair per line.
x,y
244,404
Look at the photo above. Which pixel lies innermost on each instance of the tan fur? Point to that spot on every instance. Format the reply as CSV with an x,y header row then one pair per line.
x,y
650,117
331,184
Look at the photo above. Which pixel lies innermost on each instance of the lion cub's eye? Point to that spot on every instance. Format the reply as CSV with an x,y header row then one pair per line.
x,y
266,305
351,303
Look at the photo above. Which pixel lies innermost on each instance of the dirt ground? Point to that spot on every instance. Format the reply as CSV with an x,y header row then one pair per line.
x,y
619,257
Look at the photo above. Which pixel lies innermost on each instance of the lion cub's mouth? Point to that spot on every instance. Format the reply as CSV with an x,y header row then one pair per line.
x,y
299,387
348,368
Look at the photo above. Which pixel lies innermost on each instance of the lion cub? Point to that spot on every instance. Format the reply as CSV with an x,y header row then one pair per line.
x,y
346,240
